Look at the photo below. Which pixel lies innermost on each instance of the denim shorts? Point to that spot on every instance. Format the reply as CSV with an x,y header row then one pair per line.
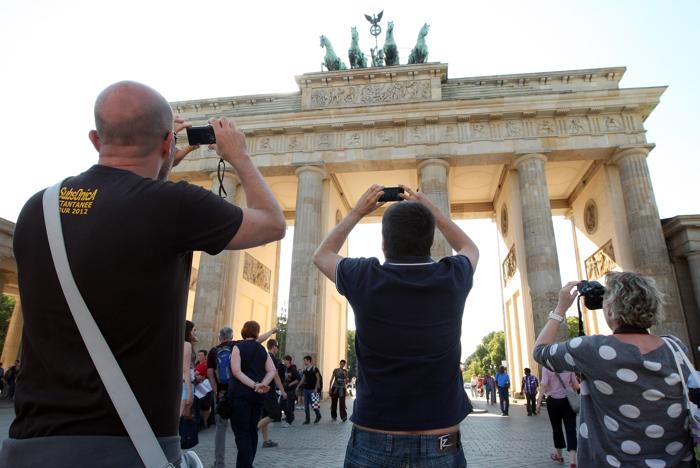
x,y
373,449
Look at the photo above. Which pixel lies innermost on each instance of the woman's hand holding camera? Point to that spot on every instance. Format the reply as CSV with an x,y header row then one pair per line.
x,y
567,296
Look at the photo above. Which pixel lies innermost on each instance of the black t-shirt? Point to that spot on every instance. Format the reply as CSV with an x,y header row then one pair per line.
x,y
413,380
290,375
129,241
253,359
310,376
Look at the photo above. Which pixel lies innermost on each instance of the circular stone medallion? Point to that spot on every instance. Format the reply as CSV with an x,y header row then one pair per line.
x,y
504,220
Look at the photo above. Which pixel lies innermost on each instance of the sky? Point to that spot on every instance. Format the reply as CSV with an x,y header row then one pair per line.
x,y
58,56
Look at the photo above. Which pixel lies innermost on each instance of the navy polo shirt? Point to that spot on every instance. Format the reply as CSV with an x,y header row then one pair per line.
x,y
408,315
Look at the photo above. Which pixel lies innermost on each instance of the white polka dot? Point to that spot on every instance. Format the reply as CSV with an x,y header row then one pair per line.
x,y
631,447
655,463
613,461
654,431
583,430
610,423
627,375
569,359
576,342
607,352
584,388
553,349
652,366
674,410
652,394
603,387
688,457
673,379
673,448
629,411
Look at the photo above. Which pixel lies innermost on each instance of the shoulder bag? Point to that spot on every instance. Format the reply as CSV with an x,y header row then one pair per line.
x,y
571,395
128,408
693,410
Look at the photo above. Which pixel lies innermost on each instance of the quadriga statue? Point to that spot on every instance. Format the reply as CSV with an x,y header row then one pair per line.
x,y
419,54
356,56
391,52
331,61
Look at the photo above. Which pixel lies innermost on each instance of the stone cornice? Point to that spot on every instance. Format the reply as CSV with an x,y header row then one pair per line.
x,y
436,69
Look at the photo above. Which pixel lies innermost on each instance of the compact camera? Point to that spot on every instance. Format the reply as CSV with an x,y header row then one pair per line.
x,y
592,292
203,135
391,194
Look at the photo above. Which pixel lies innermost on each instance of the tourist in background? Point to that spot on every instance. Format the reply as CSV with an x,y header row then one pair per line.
x,y
337,391
272,406
291,381
632,401
311,386
473,384
529,386
252,370
560,412
503,384
203,398
188,370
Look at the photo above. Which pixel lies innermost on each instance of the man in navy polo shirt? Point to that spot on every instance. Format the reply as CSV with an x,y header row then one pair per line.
x,y
410,394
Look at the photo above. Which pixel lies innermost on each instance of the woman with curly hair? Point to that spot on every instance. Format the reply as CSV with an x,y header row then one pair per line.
x,y
633,405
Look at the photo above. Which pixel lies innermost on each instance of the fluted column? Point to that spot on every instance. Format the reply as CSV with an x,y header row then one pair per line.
x,y
304,307
432,175
213,294
647,242
13,338
542,263
694,268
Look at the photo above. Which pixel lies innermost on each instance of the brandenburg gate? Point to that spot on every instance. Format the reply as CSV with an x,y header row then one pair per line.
x,y
517,149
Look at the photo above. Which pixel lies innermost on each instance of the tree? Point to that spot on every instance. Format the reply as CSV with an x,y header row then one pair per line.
x,y
487,356
7,305
351,356
282,333
572,326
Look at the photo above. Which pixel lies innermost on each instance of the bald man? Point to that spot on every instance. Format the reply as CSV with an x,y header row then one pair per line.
x,y
129,235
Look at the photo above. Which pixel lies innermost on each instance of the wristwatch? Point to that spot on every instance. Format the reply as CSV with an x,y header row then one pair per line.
x,y
557,317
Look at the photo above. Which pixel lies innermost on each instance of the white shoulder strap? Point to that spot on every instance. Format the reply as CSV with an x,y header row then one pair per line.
x,y
122,396
678,353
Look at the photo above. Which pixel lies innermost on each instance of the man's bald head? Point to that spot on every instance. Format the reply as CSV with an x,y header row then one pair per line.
x,y
132,114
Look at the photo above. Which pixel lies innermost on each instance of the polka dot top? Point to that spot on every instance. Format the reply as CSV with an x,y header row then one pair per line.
x,y
633,410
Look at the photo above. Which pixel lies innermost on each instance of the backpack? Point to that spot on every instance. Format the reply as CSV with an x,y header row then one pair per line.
x,y
223,364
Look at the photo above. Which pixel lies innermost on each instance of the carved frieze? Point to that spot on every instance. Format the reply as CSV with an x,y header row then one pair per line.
x,y
601,262
510,266
323,141
371,94
385,137
480,131
257,273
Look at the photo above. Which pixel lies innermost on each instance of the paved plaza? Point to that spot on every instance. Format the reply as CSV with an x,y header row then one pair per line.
x,y
489,440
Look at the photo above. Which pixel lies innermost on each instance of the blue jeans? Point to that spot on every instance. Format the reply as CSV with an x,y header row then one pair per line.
x,y
244,422
503,397
372,449
307,405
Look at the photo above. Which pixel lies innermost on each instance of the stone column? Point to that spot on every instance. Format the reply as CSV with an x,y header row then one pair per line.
x,y
213,293
542,263
304,318
13,338
432,180
694,267
649,251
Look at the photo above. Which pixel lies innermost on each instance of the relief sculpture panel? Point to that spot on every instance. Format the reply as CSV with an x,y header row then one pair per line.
x,y
371,94
601,262
510,266
257,273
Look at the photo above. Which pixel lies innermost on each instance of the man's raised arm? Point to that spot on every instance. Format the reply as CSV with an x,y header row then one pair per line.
x,y
326,257
263,220
457,238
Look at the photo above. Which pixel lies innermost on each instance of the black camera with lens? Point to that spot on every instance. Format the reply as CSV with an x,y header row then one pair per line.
x,y
592,292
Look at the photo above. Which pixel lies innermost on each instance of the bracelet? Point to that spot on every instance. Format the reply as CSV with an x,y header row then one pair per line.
x,y
557,317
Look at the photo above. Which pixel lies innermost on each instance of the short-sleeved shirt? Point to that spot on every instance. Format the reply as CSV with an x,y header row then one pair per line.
x,y
554,386
632,404
129,241
408,314
530,384
502,379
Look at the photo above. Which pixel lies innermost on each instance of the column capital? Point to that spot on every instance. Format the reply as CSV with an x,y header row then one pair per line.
x,y
519,159
433,161
629,150
317,169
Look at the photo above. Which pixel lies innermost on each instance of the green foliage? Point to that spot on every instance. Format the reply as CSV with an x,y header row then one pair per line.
x,y
282,333
351,356
7,305
572,326
487,356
